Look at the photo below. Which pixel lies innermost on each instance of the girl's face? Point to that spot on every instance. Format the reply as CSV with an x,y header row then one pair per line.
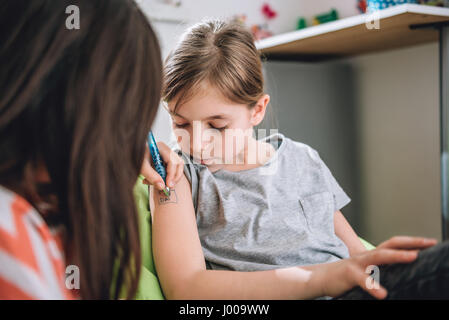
x,y
212,129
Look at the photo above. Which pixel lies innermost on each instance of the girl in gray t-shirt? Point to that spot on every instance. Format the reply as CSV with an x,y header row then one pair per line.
x,y
276,215
273,212
281,210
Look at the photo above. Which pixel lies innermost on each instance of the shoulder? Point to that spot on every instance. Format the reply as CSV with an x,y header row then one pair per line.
x,y
190,168
30,254
185,157
301,152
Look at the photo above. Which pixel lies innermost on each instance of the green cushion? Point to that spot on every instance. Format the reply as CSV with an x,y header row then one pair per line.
x,y
367,245
149,287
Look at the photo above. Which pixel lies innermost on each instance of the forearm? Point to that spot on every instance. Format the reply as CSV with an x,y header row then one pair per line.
x,y
344,231
286,283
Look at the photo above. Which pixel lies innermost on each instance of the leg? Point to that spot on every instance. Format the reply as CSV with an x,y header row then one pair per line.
x,y
425,278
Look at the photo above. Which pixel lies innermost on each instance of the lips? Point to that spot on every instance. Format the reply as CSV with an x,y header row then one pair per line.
x,y
203,161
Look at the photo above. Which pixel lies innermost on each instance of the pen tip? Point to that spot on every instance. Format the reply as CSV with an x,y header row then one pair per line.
x,y
167,191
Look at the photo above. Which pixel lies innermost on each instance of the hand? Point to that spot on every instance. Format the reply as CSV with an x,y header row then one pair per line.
x,y
341,276
174,167
407,243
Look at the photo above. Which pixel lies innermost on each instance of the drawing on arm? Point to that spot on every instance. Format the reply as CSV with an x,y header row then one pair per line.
x,y
171,198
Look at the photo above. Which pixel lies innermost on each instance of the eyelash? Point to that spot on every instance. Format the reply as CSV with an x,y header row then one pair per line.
x,y
219,129
186,124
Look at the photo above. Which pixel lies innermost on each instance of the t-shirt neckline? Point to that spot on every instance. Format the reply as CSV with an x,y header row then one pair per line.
x,y
270,139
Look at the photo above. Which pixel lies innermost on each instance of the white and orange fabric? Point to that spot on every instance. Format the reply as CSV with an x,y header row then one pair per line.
x,y
31,257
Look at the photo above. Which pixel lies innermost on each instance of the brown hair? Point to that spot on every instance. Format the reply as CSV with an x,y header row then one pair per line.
x,y
80,103
220,53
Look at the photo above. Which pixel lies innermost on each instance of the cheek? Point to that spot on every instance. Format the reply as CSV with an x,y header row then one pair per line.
x,y
216,147
184,145
182,138
234,144
243,121
223,146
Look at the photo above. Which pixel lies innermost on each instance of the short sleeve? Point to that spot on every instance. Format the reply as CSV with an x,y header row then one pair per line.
x,y
341,199
191,173
31,258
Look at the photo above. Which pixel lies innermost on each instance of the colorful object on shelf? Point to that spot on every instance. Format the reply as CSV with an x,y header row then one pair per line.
x,y
326,17
261,31
268,12
362,6
438,3
375,5
318,19
239,19
302,23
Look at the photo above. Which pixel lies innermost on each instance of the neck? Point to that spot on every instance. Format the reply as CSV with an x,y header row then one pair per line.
x,y
254,154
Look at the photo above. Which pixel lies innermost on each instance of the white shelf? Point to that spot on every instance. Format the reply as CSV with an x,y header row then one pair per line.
x,y
351,36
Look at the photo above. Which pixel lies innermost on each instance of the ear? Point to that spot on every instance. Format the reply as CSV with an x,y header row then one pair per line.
x,y
258,111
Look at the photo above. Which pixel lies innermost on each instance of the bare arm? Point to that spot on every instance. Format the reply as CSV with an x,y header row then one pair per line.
x,y
181,268
182,272
344,231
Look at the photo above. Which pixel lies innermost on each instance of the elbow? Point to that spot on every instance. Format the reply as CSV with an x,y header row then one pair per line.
x,y
186,288
177,292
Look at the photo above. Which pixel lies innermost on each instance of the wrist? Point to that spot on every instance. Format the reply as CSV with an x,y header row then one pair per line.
x,y
316,284
356,250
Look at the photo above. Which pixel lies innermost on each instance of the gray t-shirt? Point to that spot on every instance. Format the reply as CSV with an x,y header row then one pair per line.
x,y
277,215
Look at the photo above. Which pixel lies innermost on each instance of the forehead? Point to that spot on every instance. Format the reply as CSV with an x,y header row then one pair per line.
x,y
205,102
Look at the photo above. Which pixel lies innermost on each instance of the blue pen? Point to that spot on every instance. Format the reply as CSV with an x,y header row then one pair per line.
x,y
157,160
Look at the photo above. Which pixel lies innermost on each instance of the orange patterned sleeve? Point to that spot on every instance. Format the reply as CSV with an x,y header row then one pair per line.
x,y
31,258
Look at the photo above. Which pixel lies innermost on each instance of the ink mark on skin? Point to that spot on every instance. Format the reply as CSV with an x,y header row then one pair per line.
x,y
172,198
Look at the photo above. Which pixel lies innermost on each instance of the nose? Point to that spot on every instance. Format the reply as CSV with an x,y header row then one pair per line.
x,y
198,146
198,143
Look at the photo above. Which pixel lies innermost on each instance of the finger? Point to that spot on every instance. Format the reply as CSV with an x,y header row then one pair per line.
x,y
179,172
167,154
388,256
367,283
151,176
357,276
405,242
173,162
171,172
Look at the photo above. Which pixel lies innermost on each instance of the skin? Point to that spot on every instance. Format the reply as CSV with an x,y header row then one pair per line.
x,y
182,271
174,167
177,249
201,130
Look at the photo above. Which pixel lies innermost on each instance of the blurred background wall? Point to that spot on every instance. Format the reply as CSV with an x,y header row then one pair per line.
x,y
398,132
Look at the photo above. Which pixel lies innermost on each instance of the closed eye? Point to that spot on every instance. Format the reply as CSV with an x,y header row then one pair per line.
x,y
184,125
219,129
